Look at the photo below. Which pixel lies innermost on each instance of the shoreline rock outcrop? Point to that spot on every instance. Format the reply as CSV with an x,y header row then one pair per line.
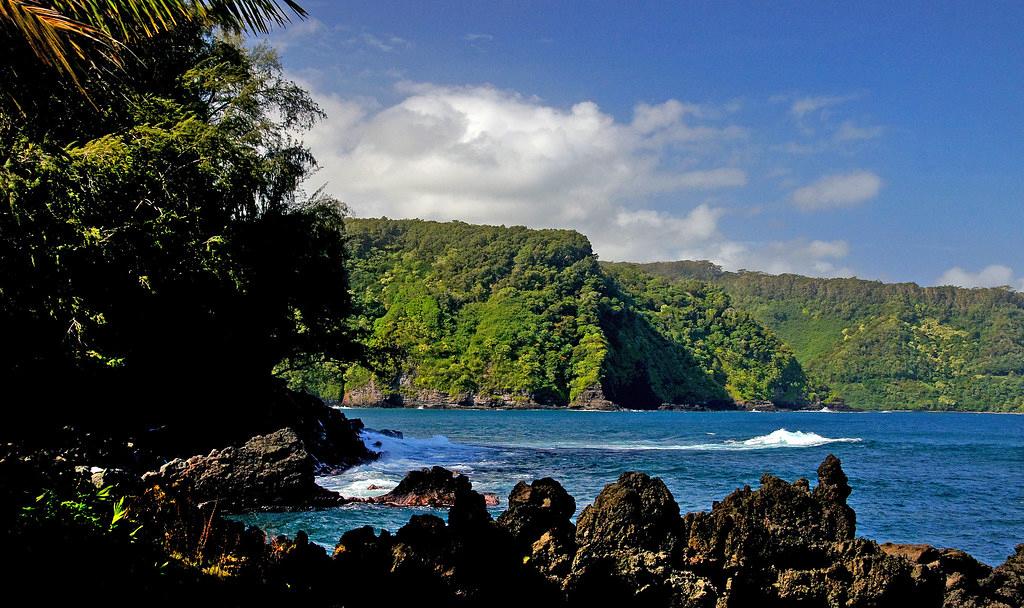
x,y
782,544
267,472
538,518
433,487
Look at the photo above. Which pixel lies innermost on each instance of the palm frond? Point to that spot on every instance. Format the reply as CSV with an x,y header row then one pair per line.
x,y
56,39
71,34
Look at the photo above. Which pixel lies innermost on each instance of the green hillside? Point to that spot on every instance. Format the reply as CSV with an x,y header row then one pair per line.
x,y
481,315
881,345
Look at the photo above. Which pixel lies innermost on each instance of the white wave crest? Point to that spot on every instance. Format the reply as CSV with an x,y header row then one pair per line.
x,y
781,438
398,456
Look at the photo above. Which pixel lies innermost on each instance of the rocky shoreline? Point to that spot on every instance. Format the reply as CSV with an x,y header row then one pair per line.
x,y
403,394
782,544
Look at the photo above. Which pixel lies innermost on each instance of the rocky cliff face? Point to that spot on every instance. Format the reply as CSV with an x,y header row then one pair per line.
x,y
593,398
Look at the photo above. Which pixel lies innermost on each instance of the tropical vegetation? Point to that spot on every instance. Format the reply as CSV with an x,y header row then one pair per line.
x,y
884,346
156,251
482,314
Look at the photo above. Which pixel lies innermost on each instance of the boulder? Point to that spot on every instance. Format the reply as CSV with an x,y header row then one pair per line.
x,y
914,553
433,487
331,439
635,512
837,518
536,508
539,520
628,542
121,481
469,512
785,543
267,472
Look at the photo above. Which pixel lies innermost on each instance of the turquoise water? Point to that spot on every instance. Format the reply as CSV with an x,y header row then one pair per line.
x,y
948,479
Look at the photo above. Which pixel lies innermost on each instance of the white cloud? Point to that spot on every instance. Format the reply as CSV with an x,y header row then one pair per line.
x,y
478,37
995,275
808,105
849,131
385,43
298,32
838,190
481,154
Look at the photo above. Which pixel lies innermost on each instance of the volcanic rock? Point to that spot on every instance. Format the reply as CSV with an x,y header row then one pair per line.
x,y
538,518
433,487
628,541
269,471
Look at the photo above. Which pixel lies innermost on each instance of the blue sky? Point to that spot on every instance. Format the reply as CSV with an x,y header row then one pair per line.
x,y
879,140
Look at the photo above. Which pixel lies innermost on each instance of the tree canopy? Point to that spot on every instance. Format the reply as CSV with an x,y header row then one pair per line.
x,y
886,345
155,248
494,314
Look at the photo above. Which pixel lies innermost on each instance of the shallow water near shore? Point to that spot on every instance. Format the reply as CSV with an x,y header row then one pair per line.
x,y
948,479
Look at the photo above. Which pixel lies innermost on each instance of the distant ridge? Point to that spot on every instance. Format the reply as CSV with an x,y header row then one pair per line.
x,y
885,345
456,314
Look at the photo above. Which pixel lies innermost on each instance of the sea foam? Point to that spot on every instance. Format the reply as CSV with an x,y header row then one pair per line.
x,y
781,438
398,456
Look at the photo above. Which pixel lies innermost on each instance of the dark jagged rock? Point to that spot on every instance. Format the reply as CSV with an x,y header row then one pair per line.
x,y
636,512
1006,583
628,540
539,519
780,523
433,487
837,518
330,438
536,508
269,471
469,511
303,564
786,543
782,544
470,561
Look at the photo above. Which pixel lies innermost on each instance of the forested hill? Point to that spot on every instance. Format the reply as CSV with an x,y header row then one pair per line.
x,y
481,315
881,345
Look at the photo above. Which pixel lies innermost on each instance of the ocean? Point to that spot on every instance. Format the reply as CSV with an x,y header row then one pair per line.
x,y
947,479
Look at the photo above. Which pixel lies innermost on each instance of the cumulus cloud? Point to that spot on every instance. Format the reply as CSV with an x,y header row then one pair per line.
x,y
481,154
994,275
838,190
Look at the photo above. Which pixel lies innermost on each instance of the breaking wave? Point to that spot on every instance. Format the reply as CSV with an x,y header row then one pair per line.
x,y
398,456
779,438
